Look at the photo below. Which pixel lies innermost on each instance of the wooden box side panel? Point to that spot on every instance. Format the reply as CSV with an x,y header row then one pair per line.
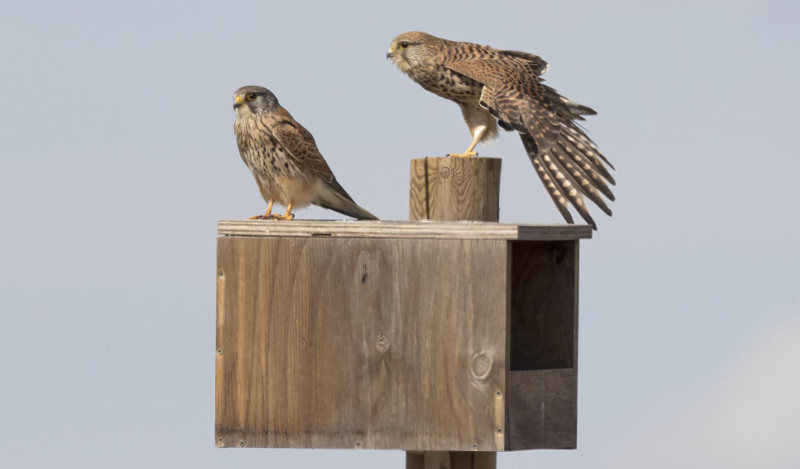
x,y
543,409
361,343
544,306
542,381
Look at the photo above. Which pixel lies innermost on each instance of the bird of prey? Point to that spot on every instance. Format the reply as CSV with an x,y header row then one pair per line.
x,y
284,158
503,87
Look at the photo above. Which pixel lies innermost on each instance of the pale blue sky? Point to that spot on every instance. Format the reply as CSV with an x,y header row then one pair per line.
x,y
118,158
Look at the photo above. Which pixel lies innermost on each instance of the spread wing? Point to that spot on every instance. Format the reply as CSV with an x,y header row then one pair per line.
x,y
567,161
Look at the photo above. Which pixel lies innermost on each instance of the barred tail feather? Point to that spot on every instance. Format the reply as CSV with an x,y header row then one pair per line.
x,y
590,181
561,186
547,178
568,186
578,178
575,136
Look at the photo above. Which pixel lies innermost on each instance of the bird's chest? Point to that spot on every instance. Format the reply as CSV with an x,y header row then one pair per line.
x,y
264,155
449,84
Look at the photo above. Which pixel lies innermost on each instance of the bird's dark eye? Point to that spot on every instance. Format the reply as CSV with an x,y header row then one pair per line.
x,y
404,45
251,97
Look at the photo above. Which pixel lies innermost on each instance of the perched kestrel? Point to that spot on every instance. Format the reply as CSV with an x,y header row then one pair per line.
x,y
506,87
284,158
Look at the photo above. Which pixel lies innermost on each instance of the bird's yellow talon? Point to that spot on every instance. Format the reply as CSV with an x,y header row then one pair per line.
x,y
281,217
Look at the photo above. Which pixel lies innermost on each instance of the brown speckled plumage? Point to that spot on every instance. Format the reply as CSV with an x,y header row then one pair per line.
x,y
283,156
500,87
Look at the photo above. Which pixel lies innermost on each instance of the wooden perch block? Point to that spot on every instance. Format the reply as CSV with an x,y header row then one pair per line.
x,y
450,189
397,335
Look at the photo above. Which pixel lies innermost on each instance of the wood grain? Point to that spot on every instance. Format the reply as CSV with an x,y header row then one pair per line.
x,y
543,409
450,460
404,229
542,379
361,343
543,309
451,339
455,189
450,189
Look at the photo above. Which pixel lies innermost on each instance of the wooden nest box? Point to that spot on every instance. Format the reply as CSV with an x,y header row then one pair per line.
x,y
421,336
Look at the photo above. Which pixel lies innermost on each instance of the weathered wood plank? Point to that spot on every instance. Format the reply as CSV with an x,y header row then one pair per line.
x,y
361,343
454,189
473,460
453,338
542,379
448,189
403,229
451,460
542,409
543,305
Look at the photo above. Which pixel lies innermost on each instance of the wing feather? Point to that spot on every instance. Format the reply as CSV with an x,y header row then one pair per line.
x,y
302,148
300,145
568,162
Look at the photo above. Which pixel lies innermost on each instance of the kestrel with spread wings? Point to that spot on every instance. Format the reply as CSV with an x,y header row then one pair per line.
x,y
284,159
502,87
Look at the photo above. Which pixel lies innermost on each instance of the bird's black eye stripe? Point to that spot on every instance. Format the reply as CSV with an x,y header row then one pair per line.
x,y
404,45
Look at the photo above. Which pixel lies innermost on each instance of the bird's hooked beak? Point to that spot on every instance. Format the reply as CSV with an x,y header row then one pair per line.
x,y
390,54
237,101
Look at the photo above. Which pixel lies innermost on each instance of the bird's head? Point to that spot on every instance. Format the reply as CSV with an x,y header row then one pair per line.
x,y
413,48
254,100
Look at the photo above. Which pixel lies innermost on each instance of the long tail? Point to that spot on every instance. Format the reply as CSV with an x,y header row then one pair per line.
x,y
335,198
571,169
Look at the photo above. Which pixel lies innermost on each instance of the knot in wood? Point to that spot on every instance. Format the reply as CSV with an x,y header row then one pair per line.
x,y
382,344
481,365
444,172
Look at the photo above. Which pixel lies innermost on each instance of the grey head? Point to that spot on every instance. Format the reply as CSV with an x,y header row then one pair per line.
x,y
255,98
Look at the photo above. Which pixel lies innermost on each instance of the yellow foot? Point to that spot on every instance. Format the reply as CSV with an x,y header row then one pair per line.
x,y
468,154
266,216
273,217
